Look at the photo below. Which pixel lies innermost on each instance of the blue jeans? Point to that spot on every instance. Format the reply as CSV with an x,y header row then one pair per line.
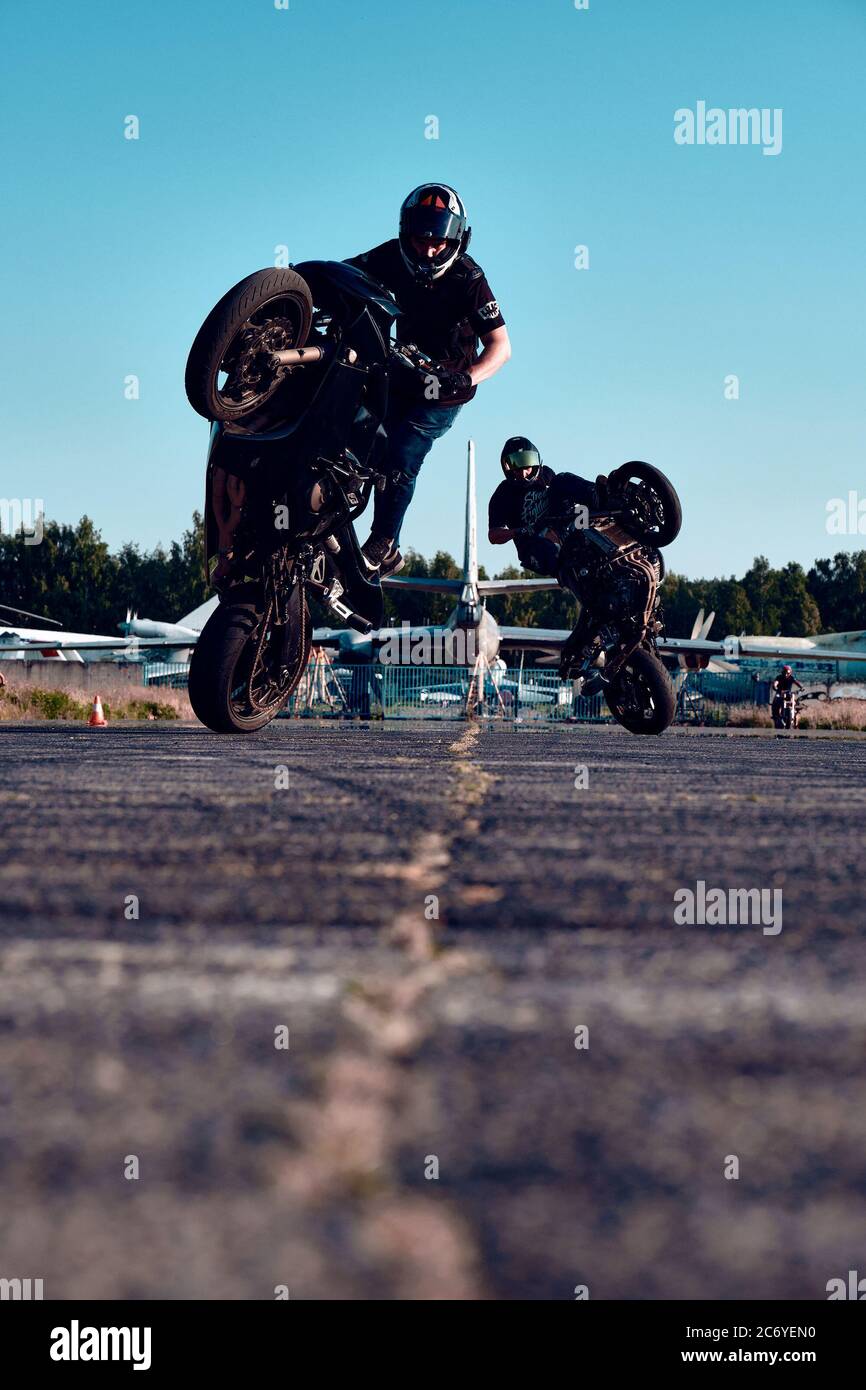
x,y
412,431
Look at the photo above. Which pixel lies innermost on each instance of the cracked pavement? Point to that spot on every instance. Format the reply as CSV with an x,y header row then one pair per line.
x,y
418,1039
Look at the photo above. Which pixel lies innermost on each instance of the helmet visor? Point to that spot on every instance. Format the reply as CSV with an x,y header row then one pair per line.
x,y
518,459
439,224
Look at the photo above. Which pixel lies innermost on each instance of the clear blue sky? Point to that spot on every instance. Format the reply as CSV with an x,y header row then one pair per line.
x,y
306,127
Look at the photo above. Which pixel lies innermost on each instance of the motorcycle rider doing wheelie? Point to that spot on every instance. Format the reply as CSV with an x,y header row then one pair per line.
x,y
447,308
602,542
531,489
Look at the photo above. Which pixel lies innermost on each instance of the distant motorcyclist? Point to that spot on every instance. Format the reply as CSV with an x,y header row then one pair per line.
x,y
782,685
448,306
530,489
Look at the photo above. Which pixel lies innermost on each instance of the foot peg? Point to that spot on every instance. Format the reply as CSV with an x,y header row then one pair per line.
x,y
353,620
341,610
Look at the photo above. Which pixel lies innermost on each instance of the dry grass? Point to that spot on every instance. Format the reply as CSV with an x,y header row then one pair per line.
x,y
21,701
834,714
817,714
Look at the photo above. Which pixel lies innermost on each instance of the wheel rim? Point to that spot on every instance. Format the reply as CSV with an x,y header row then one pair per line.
x,y
646,507
246,377
275,677
633,698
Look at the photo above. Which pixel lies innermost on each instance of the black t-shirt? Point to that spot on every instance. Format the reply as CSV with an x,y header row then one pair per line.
x,y
516,504
445,318
783,683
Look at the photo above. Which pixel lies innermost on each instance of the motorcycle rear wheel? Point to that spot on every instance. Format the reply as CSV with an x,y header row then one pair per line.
x,y
221,661
641,696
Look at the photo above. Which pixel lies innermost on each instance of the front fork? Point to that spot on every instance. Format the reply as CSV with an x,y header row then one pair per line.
x,y
284,574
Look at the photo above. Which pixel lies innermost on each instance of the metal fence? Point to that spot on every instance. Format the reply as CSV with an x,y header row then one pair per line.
x,y
439,692
171,673
705,697
374,691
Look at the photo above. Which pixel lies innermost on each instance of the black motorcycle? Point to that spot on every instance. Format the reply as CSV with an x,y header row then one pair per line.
x,y
786,706
292,367
786,710
609,559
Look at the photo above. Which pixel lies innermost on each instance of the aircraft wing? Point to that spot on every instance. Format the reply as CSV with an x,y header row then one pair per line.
x,y
424,585
769,649
534,639
342,639
104,645
551,639
490,587
515,586
672,646
772,647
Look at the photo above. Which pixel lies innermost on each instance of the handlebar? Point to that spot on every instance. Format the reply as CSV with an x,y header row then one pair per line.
x,y
410,356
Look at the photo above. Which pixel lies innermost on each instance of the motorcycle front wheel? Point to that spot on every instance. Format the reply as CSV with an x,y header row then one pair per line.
x,y
641,696
654,512
229,372
232,688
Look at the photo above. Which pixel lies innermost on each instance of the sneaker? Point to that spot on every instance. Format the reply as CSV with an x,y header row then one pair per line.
x,y
374,550
392,562
381,554
591,684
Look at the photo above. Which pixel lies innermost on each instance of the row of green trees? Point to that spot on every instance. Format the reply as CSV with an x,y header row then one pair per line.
x,y
830,597
74,577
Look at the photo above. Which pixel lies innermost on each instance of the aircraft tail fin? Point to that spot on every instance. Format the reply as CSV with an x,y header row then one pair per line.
x,y
470,553
199,616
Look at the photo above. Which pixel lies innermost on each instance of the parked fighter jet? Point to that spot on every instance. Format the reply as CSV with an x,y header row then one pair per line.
x,y
843,651
189,626
179,638
44,644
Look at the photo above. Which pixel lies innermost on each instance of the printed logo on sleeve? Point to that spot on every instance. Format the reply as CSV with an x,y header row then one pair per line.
x,y
489,311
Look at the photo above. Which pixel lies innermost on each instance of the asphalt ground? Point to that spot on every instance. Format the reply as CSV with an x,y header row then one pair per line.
x,y
290,881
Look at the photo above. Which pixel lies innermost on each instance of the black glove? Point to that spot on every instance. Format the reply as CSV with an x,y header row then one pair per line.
x,y
441,384
604,494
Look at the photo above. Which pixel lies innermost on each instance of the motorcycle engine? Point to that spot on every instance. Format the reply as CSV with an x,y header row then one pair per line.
x,y
612,590
616,582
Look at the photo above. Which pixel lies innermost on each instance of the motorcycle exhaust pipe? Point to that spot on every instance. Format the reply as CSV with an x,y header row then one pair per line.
x,y
299,357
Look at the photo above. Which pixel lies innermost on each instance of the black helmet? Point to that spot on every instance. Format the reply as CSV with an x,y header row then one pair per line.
x,y
518,453
433,211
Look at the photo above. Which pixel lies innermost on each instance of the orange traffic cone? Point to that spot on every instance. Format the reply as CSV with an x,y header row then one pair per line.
x,y
97,718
